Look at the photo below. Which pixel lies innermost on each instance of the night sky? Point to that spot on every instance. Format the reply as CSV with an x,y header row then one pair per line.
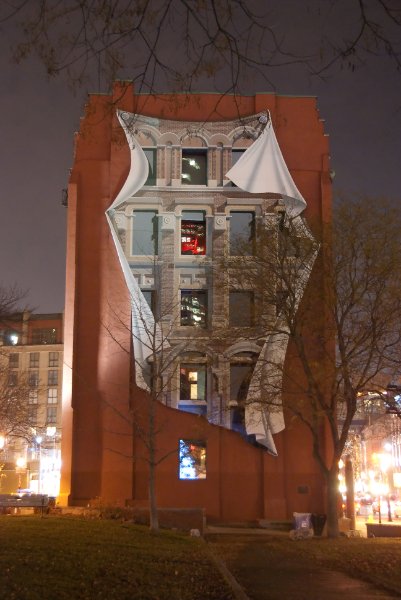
x,y
361,109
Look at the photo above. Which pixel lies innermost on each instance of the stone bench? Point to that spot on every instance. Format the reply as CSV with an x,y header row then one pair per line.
x,y
36,501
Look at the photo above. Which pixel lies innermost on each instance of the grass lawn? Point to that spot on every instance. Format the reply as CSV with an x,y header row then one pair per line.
x,y
56,558
273,567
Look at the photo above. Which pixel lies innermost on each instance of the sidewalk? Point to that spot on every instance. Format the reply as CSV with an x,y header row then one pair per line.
x,y
271,580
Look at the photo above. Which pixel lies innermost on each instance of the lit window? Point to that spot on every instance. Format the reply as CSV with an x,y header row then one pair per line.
x,y
51,415
192,459
145,233
13,360
242,233
53,359
194,308
52,396
151,155
241,307
52,378
193,232
194,167
193,388
34,360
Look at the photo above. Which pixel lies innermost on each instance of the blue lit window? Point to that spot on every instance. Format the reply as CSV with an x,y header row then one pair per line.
x,y
192,459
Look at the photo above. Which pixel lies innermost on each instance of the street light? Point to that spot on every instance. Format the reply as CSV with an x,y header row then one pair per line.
x,y
39,440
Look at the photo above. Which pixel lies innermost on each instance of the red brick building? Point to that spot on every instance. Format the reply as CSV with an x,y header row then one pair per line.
x,y
167,226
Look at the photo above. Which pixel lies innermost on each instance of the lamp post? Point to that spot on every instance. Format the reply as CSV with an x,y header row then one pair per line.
x,y
20,467
38,441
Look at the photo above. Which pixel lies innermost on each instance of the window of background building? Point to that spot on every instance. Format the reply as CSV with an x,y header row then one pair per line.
x,y
53,359
194,166
194,308
193,232
33,378
33,397
241,309
193,388
34,360
242,233
44,336
51,415
52,396
13,360
192,459
12,378
52,378
145,233
33,414
151,155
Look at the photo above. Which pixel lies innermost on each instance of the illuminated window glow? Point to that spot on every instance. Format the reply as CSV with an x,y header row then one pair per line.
x,y
192,459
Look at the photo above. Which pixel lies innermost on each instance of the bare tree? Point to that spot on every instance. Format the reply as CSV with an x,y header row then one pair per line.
x,y
343,336
15,421
155,372
175,44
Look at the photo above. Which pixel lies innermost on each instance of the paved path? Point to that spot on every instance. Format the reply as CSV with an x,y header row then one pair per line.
x,y
293,582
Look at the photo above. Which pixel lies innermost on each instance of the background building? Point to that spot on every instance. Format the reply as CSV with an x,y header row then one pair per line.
x,y
31,353
167,231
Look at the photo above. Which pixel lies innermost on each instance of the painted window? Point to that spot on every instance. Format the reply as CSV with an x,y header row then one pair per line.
x,y
240,378
194,308
241,309
192,459
150,298
145,233
236,154
34,360
193,388
151,155
193,232
242,233
53,359
194,167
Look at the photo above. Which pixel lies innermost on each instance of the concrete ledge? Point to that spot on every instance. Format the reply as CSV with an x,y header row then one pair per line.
x,y
383,530
183,519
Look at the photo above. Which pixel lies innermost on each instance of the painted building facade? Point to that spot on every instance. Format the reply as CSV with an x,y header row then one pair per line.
x,y
160,191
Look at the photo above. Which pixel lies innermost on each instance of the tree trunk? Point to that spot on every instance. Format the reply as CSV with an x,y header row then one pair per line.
x,y
153,516
332,503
